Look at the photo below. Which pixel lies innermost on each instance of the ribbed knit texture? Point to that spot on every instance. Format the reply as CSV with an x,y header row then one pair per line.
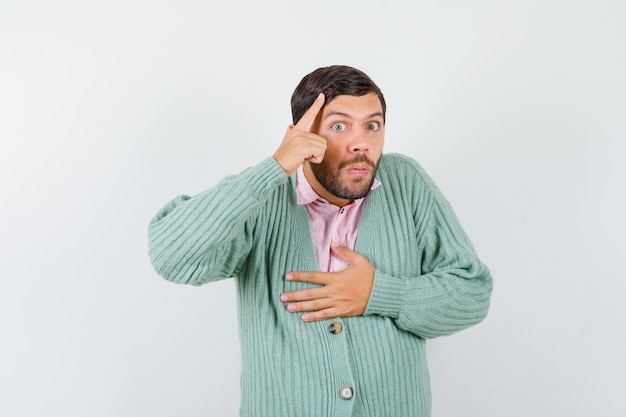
x,y
428,282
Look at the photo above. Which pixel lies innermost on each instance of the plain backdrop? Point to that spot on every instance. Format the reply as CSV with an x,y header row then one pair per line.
x,y
108,109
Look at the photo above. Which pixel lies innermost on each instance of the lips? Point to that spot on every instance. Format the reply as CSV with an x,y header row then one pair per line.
x,y
358,169
359,163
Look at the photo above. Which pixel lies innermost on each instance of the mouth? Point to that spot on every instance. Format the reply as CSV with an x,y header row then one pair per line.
x,y
358,169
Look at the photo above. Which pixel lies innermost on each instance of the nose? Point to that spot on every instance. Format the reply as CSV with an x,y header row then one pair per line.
x,y
360,142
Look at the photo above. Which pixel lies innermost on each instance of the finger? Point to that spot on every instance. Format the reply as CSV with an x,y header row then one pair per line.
x,y
313,305
316,159
344,252
325,314
306,121
304,295
313,277
318,152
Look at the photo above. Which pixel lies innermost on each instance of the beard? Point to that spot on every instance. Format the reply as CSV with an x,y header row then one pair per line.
x,y
351,189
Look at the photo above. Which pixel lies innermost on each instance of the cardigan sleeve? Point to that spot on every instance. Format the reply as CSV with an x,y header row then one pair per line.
x,y
195,240
452,291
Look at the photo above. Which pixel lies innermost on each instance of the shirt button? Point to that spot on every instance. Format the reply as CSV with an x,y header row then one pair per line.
x,y
346,393
335,327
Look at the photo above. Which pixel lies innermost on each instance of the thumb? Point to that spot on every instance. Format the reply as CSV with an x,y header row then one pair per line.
x,y
344,252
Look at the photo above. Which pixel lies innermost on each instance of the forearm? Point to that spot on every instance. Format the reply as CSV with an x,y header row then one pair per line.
x,y
449,289
202,238
435,304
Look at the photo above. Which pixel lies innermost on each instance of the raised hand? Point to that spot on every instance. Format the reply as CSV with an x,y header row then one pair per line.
x,y
299,143
343,294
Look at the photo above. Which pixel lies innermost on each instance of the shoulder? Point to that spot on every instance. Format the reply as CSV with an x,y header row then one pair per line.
x,y
402,167
401,172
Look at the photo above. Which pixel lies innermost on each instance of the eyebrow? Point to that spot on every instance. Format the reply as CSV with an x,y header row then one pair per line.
x,y
346,115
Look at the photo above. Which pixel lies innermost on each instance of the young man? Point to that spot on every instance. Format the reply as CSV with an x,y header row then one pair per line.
x,y
345,261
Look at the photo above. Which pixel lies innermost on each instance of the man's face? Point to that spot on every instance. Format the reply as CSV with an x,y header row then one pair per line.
x,y
354,130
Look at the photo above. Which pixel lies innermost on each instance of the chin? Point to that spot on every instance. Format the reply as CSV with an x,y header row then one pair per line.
x,y
358,188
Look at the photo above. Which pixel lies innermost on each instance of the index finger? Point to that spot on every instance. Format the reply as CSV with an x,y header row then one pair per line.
x,y
306,121
321,278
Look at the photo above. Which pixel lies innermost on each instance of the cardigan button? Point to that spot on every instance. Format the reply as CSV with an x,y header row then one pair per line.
x,y
335,327
347,393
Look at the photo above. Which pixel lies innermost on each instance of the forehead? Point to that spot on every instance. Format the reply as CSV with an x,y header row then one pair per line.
x,y
354,106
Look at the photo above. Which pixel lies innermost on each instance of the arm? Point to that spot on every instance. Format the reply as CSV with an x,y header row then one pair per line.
x,y
451,291
208,237
453,295
454,289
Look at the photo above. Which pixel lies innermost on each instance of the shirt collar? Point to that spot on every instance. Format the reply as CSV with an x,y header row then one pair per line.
x,y
306,194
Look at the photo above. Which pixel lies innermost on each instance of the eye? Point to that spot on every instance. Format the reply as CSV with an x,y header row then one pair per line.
x,y
338,127
373,126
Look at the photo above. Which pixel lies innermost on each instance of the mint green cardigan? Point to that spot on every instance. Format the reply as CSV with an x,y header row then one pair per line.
x,y
428,283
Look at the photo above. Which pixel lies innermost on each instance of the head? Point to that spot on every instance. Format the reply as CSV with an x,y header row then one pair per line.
x,y
352,122
333,81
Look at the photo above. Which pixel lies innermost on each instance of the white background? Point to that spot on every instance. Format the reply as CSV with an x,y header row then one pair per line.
x,y
109,109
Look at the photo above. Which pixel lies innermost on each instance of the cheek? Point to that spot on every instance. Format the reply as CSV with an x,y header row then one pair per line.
x,y
377,144
333,152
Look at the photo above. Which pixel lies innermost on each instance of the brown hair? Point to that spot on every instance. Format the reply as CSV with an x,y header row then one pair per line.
x,y
333,81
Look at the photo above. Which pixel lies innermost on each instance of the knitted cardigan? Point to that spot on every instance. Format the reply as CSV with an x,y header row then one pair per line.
x,y
428,283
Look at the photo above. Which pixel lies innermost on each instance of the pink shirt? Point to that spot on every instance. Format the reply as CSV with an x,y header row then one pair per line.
x,y
329,223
